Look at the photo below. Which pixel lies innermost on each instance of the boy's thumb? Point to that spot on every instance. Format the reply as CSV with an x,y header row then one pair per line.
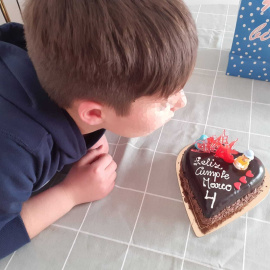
x,y
91,155
99,148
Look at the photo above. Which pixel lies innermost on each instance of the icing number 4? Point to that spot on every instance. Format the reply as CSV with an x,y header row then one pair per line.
x,y
211,198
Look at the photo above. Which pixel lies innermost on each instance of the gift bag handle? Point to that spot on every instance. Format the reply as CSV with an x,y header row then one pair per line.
x,y
4,11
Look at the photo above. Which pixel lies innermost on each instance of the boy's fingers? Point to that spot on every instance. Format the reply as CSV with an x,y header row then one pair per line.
x,y
97,148
90,156
112,178
111,167
111,187
103,161
101,141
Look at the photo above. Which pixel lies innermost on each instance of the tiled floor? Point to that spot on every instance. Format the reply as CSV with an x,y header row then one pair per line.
x,y
142,224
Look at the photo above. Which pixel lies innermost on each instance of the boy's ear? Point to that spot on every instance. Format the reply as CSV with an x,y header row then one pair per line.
x,y
91,112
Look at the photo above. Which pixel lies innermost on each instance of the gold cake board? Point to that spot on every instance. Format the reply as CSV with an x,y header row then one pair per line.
x,y
252,204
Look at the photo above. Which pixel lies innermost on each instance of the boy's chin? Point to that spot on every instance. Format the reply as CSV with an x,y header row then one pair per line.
x,y
142,133
131,133
136,134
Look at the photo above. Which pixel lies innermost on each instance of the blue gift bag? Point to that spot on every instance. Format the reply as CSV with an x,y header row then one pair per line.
x,y
250,53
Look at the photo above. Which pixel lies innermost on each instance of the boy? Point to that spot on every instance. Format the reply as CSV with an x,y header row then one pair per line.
x,y
95,65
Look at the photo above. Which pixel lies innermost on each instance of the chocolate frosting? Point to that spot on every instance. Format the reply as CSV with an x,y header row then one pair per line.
x,y
211,180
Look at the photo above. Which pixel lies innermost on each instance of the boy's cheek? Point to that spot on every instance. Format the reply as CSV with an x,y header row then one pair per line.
x,y
163,113
154,119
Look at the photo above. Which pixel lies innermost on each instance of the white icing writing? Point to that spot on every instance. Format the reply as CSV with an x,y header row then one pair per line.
x,y
210,176
202,171
208,162
211,198
209,185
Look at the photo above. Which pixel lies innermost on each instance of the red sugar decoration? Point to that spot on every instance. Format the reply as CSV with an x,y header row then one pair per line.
x,y
237,185
220,146
243,180
249,173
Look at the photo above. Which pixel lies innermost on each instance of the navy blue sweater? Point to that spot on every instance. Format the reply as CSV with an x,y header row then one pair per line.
x,y
37,138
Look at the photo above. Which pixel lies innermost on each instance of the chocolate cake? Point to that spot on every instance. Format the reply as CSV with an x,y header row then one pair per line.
x,y
216,189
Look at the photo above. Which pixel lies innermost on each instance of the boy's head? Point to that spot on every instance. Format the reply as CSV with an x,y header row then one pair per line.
x,y
117,64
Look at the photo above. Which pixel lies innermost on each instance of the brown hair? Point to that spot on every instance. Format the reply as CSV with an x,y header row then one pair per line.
x,y
110,51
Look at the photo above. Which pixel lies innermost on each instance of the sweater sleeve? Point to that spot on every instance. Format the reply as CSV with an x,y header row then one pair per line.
x,y
13,33
17,176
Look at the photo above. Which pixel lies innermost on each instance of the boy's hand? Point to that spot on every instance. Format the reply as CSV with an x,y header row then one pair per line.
x,y
102,141
91,178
